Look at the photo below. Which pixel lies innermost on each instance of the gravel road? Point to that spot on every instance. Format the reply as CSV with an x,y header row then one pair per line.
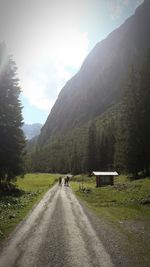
x,y
56,233
61,232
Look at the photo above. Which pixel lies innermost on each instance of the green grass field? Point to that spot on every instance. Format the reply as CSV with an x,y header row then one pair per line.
x,y
13,208
125,206
125,200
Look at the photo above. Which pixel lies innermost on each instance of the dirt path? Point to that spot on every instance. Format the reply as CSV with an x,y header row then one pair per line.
x,y
59,232
51,236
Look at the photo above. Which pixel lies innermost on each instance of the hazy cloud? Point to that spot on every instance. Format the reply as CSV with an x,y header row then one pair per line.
x,y
117,7
45,45
41,86
49,42
50,66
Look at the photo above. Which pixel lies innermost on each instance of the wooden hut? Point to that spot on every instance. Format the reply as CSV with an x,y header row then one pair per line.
x,y
104,178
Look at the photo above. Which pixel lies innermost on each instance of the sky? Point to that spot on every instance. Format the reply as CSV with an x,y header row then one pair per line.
x,y
49,40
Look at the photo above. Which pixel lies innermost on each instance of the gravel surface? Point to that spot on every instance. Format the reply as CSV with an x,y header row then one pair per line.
x,y
62,232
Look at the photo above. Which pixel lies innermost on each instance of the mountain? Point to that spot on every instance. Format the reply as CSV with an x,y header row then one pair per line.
x,y
83,131
99,83
31,130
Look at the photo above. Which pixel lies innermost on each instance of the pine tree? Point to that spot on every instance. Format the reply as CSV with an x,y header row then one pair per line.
x,y
133,130
11,135
129,146
119,154
131,120
144,115
75,163
102,153
91,161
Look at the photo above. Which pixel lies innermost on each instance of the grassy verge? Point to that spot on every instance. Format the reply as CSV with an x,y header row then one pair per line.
x,y
126,206
14,207
125,200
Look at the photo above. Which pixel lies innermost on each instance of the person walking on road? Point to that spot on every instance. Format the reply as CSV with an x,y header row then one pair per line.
x,y
67,180
60,180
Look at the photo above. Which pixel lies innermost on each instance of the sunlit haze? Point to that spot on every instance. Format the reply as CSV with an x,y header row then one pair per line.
x,y
49,41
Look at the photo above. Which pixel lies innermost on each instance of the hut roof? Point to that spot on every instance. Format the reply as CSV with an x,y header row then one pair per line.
x,y
105,173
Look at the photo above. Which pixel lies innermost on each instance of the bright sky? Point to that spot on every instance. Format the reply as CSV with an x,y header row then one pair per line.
x,y
49,40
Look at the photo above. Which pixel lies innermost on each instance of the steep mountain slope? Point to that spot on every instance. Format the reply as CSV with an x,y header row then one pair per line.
x,y
32,130
98,85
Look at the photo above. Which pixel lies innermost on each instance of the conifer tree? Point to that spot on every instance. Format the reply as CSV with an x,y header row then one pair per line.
x,y
144,114
119,154
11,135
75,163
130,123
102,152
133,129
91,154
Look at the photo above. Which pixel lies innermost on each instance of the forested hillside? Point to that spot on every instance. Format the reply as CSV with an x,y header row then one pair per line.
x,y
100,119
99,83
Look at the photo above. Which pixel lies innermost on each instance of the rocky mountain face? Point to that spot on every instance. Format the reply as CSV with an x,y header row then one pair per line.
x,y
31,130
99,83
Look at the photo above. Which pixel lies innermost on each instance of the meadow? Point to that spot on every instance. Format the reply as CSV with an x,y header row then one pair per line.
x,y
15,205
124,206
125,200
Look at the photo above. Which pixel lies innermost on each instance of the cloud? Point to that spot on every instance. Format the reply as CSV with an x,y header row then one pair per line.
x,y
46,46
50,66
42,85
138,2
117,7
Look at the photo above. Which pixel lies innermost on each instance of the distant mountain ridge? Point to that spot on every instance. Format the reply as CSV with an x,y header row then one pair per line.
x,y
98,85
31,130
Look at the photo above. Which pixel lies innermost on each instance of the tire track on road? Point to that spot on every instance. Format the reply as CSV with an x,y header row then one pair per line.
x,y
57,233
25,235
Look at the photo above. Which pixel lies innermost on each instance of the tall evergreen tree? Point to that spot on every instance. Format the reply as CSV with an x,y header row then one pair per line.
x,y
91,154
11,135
144,114
103,152
133,133
130,124
119,154
75,162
